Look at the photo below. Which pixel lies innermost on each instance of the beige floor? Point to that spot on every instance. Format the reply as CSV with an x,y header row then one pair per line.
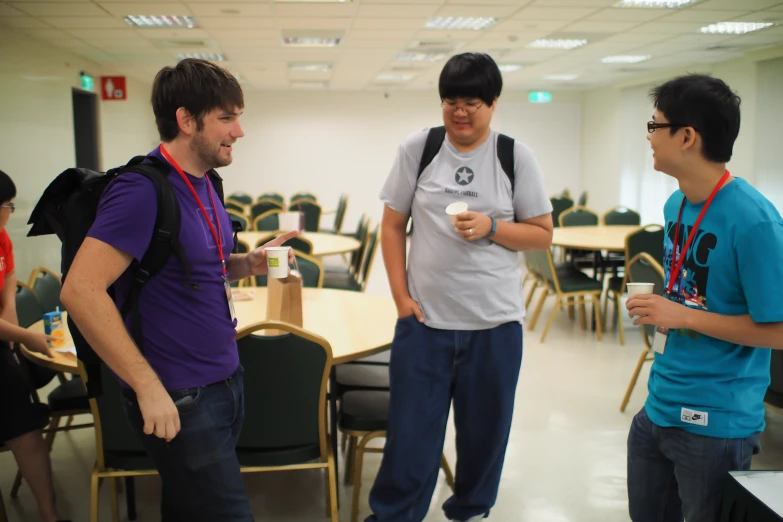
x,y
565,460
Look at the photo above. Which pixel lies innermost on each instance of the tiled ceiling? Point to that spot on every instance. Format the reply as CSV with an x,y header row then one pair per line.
x,y
375,32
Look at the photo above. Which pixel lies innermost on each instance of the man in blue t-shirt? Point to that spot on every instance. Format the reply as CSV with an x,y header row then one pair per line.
x,y
721,309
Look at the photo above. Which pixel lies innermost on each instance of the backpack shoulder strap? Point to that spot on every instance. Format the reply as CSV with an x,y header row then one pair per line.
x,y
505,150
217,184
432,146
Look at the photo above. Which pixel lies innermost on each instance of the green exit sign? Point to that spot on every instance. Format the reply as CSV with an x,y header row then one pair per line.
x,y
539,97
87,82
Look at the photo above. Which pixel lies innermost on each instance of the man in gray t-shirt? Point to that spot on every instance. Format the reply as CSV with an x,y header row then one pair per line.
x,y
459,333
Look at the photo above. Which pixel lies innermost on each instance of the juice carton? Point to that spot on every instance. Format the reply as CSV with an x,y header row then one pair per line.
x,y
54,326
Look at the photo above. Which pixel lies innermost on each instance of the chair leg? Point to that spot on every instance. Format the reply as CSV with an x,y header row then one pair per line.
x,y
606,307
571,308
350,459
539,307
94,489
343,441
618,315
130,498
17,484
3,515
70,421
115,504
331,490
597,310
634,378
54,423
558,304
582,312
444,463
529,298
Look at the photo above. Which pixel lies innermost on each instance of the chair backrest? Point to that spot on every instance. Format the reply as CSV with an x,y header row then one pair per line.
x,y
47,286
239,217
578,217
303,195
241,248
243,198
269,220
29,309
373,240
276,196
648,239
263,206
560,205
542,264
644,269
582,199
361,226
235,206
285,399
339,216
356,255
312,213
300,244
621,216
311,270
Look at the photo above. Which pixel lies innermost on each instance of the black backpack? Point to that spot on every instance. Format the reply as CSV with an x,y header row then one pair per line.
x,y
68,208
435,137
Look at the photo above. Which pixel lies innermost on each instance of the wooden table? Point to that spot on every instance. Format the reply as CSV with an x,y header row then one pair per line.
x,y
323,244
610,238
355,324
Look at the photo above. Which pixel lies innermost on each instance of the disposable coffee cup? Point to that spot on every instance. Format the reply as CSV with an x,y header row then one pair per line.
x,y
455,209
277,261
640,288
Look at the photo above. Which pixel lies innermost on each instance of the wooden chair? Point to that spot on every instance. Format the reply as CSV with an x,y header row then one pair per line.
x,y
243,198
268,221
312,213
240,218
47,286
621,216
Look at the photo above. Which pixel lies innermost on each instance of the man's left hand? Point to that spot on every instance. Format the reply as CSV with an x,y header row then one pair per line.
x,y
658,311
472,225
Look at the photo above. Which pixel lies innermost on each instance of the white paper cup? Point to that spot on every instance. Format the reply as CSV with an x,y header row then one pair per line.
x,y
277,261
455,209
640,288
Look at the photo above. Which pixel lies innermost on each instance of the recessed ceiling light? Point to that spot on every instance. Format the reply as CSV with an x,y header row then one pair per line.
x,y
419,57
656,4
393,77
509,67
625,59
308,85
150,21
458,23
212,57
561,77
562,43
310,41
310,67
735,27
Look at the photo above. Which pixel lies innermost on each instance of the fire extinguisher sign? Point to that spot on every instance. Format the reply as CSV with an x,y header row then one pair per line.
x,y
113,88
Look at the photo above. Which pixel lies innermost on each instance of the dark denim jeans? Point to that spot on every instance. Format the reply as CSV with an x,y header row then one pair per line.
x,y
199,467
674,474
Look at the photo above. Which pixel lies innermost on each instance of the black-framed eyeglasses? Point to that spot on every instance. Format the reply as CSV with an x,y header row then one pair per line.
x,y
469,108
9,206
653,126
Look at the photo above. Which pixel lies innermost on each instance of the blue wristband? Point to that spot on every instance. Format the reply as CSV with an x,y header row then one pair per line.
x,y
494,228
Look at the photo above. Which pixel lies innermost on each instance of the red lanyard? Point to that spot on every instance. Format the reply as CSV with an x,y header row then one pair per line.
x,y
217,235
677,264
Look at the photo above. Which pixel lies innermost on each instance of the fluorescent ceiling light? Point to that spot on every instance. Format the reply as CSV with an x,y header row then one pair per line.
x,y
625,59
310,67
393,77
310,41
457,23
212,57
149,21
419,57
656,4
562,43
509,67
735,27
561,77
308,85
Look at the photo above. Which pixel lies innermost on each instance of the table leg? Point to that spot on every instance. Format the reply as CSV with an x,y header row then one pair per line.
x,y
130,497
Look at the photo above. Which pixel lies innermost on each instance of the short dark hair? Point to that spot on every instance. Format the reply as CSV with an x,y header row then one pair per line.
x,y
708,105
7,187
197,85
471,75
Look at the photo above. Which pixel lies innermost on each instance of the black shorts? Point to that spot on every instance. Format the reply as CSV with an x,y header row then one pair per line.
x,y
18,413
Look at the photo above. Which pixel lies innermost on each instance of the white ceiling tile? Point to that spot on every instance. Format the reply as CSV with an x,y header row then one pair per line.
x,y
515,3
750,5
760,16
110,45
7,10
85,22
310,23
773,35
599,27
245,34
60,9
553,13
619,14
48,34
573,3
634,37
397,11
381,35
223,22
534,55
146,8
121,35
523,26
172,34
484,11
664,27
778,7
402,2
316,10
702,16
230,9
24,22
388,23
363,43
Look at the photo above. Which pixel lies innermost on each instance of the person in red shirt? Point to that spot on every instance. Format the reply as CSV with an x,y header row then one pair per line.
x,y
21,420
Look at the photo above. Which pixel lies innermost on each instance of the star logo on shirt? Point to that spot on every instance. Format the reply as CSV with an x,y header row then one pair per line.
x,y
463,176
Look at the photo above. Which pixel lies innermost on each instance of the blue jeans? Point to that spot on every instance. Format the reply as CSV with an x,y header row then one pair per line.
x,y
673,473
199,467
429,368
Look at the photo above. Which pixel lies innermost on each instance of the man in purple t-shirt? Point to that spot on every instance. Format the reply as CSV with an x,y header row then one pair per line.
x,y
184,394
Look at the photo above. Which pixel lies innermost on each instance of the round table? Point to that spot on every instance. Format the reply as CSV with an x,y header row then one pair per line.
x,y
610,238
355,324
323,244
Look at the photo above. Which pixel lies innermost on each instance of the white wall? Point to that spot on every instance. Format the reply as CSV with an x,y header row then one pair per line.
x,y
769,153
